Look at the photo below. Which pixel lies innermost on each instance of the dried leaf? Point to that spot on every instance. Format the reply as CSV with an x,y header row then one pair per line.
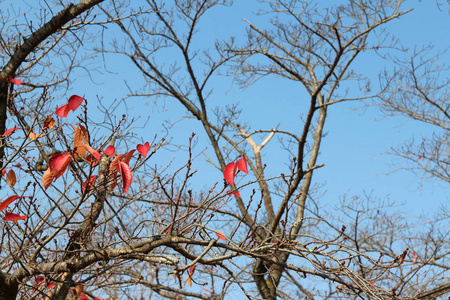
x,y
78,290
49,123
128,157
11,178
33,136
230,172
47,178
143,149
80,138
14,217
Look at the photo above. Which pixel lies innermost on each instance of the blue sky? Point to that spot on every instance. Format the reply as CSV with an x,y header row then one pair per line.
x,y
356,139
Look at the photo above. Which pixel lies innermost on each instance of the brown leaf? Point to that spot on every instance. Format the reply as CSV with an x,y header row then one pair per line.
x,y
33,136
11,178
80,138
49,122
47,178
78,290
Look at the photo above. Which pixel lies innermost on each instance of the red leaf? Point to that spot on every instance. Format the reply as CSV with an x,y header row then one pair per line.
x,y
84,297
14,217
3,172
192,270
63,111
237,194
128,157
8,201
92,180
74,102
39,279
230,172
58,164
220,235
420,157
110,151
242,164
143,149
9,131
92,151
50,286
16,81
127,176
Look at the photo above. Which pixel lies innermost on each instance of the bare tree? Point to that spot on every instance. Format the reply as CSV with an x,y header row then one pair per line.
x,y
100,224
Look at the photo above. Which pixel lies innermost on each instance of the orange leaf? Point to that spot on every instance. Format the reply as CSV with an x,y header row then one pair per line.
x,y
3,172
230,172
78,290
143,149
47,178
80,138
192,270
50,286
189,280
49,122
8,201
127,176
11,178
9,131
14,217
242,164
33,136
220,235
415,260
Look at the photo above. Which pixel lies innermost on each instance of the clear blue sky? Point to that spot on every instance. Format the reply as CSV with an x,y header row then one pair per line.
x,y
353,149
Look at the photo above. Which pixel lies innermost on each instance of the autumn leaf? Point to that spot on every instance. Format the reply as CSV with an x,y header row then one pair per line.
x,y
93,152
8,201
3,172
9,131
237,194
220,235
50,286
33,136
143,149
47,178
110,151
11,178
114,163
84,297
58,164
49,123
80,138
63,111
78,290
230,172
39,279
74,102
189,277
128,157
127,176
91,181
14,217
16,81
242,164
